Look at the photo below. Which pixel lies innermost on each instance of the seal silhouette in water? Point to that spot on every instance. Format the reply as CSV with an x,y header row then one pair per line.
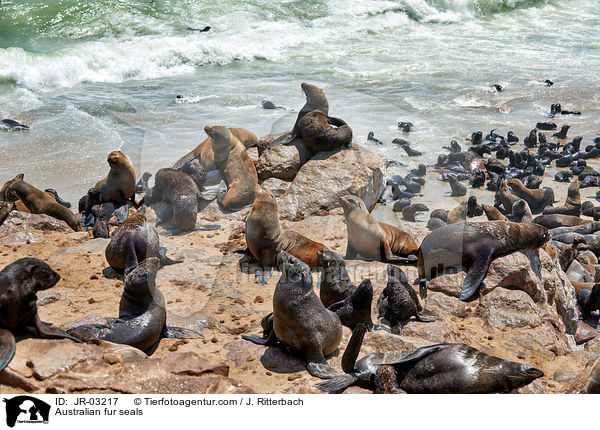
x,y
445,368
300,322
19,283
474,245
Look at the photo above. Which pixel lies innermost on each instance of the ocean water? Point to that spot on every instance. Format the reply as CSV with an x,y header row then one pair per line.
x,y
93,76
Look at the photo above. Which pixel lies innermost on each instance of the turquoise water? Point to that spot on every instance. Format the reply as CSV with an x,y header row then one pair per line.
x,y
93,76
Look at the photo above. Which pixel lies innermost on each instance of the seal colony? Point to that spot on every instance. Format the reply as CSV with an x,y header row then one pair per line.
x,y
218,180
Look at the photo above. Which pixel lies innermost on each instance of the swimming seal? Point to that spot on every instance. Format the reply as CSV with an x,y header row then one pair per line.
x,y
232,160
446,368
204,151
134,241
19,283
142,318
398,301
536,199
39,202
474,245
372,239
300,322
266,239
572,204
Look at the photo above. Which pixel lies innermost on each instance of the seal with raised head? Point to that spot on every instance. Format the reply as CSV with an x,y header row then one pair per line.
x,y
180,192
356,308
38,202
142,318
232,160
372,239
19,283
521,212
119,185
467,209
505,197
398,301
493,214
572,204
323,133
536,199
5,208
134,241
445,368
300,322
266,239
204,151
474,245
335,284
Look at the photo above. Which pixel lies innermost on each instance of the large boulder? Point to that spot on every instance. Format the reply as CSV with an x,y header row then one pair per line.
x,y
282,161
327,176
18,221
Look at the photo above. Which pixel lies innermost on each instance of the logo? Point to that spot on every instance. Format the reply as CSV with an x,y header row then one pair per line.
x,y
26,409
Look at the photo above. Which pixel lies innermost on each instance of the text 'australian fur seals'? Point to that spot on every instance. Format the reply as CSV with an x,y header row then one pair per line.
x,y
300,322
19,283
446,368
474,245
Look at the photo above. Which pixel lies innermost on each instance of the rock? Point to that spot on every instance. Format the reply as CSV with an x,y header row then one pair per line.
x,y
585,333
20,221
327,176
356,390
190,363
445,305
241,351
434,332
277,360
276,186
196,321
20,238
282,161
46,297
505,308
564,375
253,153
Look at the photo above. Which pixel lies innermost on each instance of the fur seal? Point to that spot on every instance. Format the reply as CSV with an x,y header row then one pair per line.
x,y
18,204
554,221
521,212
266,239
300,322
204,151
5,208
232,160
408,213
323,133
142,318
39,202
467,209
8,124
493,214
505,198
372,239
19,283
398,301
446,368
536,199
458,189
134,241
356,308
475,245
572,204
179,190
588,301
335,285
119,185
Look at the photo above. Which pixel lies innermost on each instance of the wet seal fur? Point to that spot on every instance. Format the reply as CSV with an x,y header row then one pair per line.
x,y
474,245
38,202
19,283
300,322
133,242
445,368
372,239
232,160
142,318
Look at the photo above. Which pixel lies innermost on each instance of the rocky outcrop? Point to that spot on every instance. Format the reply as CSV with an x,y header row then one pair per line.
x,y
282,161
18,221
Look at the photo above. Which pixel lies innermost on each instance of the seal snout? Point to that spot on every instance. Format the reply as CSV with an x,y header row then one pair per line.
x,y
209,129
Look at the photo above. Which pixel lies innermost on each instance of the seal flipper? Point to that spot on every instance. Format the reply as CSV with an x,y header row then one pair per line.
x,y
57,197
48,331
164,259
420,353
270,340
476,275
388,256
285,139
7,347
319,368
353,347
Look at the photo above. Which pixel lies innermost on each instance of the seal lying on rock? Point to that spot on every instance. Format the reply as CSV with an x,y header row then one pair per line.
x,y
19,283
134,241
372,239
474,245
300,322
398,301
142,313
445,368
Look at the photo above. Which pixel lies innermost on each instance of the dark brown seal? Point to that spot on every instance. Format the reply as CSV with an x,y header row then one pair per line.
x,y
505,197
119,185
474,245
493,214
323,133
38,202
555,220
19,283
536,199
372,239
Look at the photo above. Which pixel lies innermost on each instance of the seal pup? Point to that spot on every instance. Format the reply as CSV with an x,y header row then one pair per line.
x,y
521,212
536,199
398,301
572,204
467,209
266,239
300,322
39,202
335,284
232,160
134,241
180,192
493,214
19,283
475,245
356,308
408,213
142,318
316,100
445,368
372,239
204,151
